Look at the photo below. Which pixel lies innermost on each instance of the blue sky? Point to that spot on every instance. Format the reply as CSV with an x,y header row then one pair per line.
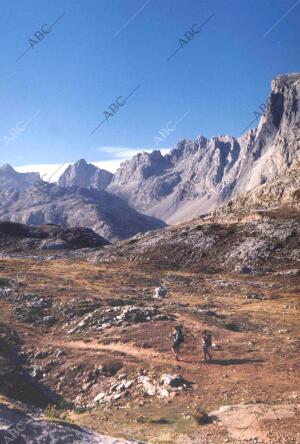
x,y
102,50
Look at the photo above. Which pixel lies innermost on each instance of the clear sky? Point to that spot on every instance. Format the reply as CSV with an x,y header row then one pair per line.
x,y
101,51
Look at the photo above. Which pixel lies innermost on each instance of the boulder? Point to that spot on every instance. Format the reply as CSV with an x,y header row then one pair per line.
x,y
18,426
42,354
100,397
172,380
149,388
53,245
160,292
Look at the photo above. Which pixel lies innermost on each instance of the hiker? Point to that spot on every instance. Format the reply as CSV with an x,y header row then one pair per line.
x,y
207,344
178,340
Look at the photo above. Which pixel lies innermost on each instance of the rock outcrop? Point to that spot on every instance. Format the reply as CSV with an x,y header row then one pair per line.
x,y
282,196
22,427
245,421
20,237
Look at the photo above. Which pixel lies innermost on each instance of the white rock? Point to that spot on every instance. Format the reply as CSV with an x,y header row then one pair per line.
x,y
128,384
100,397
160,292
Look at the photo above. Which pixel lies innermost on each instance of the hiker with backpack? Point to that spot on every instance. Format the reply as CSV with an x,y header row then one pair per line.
x,y
207,345
178,337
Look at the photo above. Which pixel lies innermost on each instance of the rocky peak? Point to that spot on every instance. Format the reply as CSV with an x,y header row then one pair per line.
x,y
84,175
142,166
183,149
6,168
275,146
10,178
284,80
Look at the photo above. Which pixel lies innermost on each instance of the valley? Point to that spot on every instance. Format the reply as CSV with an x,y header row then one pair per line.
x,y
96,342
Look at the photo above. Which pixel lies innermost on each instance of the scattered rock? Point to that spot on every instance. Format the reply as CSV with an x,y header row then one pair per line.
x,y
160,292
42,354
100,397
60,353
172,380
107,317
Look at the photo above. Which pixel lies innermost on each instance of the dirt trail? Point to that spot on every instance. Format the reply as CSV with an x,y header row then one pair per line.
x,y
140,353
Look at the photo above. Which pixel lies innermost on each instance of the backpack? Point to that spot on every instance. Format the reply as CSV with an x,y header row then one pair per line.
x,y
208,340
179,336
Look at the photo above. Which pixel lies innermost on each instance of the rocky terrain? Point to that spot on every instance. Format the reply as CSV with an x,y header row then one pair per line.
x,y
46,203
282,195
23,427
102,326
102,318
246,246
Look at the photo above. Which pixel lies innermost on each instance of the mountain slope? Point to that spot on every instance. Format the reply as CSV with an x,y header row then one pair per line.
x,y
199,175
213,245
258,231
106,214
280,195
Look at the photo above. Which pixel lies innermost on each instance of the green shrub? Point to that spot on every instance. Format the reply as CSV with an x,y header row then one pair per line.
x,y
110,368
51,411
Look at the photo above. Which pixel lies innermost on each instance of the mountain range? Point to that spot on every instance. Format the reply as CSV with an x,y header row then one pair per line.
x,y
150,190
197,176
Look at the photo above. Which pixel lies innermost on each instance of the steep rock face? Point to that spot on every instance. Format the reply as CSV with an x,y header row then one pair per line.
x,y
106,214
9,178
276,146
84,175
197,176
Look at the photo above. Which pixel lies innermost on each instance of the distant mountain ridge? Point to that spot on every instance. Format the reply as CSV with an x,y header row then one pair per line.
x,y
106,214
9,178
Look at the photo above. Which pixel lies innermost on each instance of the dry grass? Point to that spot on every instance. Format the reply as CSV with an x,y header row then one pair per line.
x,y
243,372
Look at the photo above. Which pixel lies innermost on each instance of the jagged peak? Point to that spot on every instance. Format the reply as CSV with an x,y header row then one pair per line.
x,y
84,174
284,79
7,168
81,162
